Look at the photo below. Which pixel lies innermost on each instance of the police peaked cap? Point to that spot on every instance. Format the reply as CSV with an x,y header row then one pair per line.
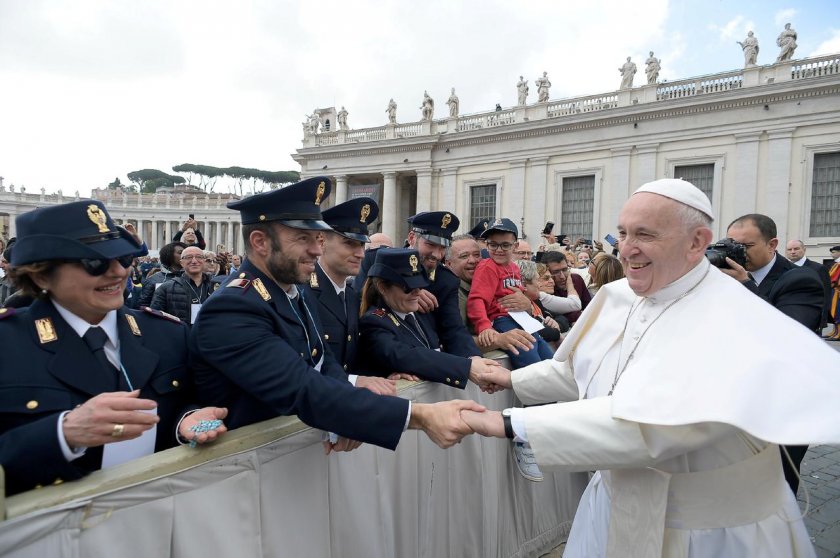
x,y
297,206
401,266
351,218
72,231
435,226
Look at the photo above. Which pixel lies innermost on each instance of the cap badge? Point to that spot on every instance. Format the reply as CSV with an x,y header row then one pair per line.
x,y
496,223
132,325
447,218
412,261
486,224
46,331
364,214
98,218
319,193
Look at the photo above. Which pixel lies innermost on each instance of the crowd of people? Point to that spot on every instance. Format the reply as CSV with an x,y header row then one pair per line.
x,y
126,355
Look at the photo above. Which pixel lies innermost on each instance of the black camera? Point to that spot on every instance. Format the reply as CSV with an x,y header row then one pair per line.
x,y
726,248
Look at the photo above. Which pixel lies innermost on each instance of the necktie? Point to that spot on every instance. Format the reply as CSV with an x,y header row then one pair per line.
x,y
95,337
343,302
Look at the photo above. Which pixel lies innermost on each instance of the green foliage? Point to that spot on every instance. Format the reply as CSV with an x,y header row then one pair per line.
x,y
208,176
149,180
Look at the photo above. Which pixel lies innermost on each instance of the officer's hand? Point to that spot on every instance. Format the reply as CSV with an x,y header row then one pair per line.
x,y
428,301
343,444
404,376
207,413
108,417
379,386
517,302
487,337
442,421
515,340
737,272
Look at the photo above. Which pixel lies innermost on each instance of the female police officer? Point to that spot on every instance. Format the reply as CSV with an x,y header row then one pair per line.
x,y
392,339
84,382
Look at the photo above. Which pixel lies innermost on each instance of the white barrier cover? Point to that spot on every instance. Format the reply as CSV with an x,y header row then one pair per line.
x,y
286,498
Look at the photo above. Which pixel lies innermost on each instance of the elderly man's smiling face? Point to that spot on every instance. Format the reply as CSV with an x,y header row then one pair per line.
x,y
656,247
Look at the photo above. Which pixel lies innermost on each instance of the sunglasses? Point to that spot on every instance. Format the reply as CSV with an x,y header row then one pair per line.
x,y
98,267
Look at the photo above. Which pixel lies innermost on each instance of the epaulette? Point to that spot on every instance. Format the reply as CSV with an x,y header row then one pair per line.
x,y
161,314
380,313
6,312
240,282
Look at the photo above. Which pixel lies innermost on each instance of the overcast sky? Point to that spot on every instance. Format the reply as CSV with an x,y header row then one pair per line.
x,y
93,89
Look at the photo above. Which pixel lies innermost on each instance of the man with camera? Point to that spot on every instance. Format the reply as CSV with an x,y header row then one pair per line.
x,y
795,291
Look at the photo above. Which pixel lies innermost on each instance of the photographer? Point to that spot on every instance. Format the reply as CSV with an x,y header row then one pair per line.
x,y
795,291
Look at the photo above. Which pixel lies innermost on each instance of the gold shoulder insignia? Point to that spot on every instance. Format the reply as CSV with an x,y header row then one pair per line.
x,y
132,325
379,312
216,286
46,331
258,284
432,274
6,312
394,319
313,280
161,314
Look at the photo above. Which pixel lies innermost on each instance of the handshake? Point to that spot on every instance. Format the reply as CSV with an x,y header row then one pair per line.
x,y
446,423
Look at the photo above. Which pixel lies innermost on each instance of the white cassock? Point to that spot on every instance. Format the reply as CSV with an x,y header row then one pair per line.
x,y
686,448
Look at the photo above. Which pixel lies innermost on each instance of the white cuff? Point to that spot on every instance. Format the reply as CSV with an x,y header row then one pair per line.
x,y
408,417
69,453
181,440
517,421
352,379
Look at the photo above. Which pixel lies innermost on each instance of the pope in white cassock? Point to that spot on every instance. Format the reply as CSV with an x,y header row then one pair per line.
x,y
675,386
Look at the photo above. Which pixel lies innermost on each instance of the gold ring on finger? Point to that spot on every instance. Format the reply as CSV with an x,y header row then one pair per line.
x,y
118,430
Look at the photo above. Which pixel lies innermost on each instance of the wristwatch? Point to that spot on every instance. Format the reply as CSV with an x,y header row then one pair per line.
x,y
508,424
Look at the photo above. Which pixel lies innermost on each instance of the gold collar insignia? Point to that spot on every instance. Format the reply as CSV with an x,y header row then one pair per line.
x,y
132,325
394,319
263,292
313,280
46,331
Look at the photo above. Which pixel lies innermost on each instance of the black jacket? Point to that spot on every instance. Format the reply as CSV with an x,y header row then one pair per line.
x,y
177,296
795,291
149,285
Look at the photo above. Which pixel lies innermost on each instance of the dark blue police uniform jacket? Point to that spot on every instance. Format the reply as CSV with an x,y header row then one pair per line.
x,y
388,344
252,355
340,321
40,378
446,318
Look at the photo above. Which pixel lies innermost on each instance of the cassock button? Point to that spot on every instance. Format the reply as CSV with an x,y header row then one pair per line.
x,y
32,405
327,336
176,383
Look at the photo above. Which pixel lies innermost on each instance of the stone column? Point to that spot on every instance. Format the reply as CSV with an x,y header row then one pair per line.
x,y
424,190
646,163
619,185
536,182
777,185
514,195
340,189
449,194
746,177
12,225
229,237
389,205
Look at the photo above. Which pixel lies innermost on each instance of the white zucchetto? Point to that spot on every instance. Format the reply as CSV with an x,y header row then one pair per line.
x,y
681,191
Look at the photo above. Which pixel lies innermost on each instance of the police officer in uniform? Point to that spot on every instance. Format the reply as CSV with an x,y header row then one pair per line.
x,y
273,361
338,303
430,234
392,336
86,382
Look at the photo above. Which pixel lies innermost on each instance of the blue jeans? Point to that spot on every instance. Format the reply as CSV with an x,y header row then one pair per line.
x,y
540,351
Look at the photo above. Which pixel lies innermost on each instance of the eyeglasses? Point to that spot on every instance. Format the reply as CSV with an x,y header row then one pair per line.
x,y
524,253
98,267
189,258
557,272
496,245
209,259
